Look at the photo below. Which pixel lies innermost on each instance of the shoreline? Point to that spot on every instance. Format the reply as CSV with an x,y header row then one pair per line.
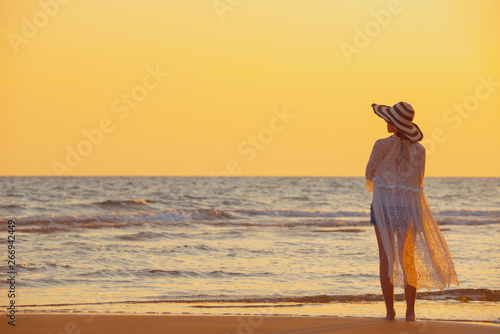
x,y
473,311
128,323
400,318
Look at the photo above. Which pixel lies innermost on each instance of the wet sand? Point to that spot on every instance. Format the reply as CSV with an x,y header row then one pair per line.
x,y
77,324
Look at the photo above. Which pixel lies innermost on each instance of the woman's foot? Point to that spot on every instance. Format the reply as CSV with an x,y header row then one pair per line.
x,y
390,315
410,317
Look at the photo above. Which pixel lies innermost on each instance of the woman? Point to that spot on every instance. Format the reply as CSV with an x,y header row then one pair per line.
x,y
412,250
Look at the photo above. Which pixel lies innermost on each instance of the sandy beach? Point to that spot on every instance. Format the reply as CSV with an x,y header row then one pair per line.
x,y
151,324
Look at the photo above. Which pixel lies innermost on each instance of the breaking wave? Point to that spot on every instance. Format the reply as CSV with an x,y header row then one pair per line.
x,y
239,217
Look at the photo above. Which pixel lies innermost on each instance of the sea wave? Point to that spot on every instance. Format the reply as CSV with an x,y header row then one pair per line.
x,y
465,213
127,202
304,213
11,206
195,214
62,223
235,217
461,295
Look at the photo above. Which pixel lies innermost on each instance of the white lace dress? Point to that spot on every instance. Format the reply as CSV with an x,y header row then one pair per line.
x,y
416,250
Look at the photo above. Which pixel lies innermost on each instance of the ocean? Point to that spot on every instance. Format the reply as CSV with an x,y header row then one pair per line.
x,y
239,245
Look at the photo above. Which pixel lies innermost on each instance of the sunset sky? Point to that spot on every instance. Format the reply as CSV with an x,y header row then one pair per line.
x,y
250,87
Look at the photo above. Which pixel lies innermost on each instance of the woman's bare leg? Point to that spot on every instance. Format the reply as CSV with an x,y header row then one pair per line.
x,y
385,282
410,296
408,263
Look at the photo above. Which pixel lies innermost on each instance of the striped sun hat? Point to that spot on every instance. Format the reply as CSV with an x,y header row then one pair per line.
x,y
400,116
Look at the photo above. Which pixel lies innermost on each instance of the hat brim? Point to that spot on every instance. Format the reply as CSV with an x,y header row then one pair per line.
x,y
413,133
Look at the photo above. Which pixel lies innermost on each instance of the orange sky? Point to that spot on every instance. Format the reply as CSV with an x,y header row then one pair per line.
x,y
260,87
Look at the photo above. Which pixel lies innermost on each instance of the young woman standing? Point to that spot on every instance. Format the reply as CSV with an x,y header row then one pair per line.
x,y
412,250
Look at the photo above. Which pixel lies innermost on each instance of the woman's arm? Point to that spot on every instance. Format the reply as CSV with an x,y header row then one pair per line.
x,y
422,167
373,165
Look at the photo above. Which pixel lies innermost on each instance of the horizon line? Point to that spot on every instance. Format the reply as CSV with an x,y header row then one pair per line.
x,y
231,176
